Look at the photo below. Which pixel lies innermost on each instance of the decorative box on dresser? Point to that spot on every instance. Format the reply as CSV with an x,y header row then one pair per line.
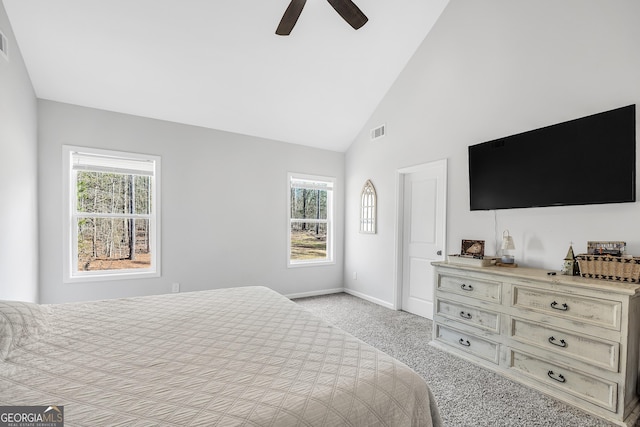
x,y
575,339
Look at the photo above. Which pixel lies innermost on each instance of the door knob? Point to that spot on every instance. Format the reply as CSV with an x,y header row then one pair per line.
x,y
439,253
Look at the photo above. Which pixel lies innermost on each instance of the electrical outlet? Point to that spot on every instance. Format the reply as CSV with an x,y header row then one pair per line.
x,y
355,275
175,287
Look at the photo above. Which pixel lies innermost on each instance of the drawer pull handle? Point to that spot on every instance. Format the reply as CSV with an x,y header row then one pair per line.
x,y
563,307
466,287
465,315
553,341
558,377
465,343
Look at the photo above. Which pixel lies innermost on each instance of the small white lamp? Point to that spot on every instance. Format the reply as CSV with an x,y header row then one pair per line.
x,y
507,245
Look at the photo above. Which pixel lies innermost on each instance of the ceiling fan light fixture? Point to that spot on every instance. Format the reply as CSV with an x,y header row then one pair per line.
x,y
345,8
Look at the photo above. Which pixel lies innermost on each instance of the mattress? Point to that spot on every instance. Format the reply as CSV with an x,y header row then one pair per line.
x,y
240,356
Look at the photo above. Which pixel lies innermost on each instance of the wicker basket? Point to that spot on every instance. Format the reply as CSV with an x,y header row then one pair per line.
x,y
621,269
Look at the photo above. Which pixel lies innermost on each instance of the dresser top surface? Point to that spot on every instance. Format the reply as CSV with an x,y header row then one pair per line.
x,y
542,275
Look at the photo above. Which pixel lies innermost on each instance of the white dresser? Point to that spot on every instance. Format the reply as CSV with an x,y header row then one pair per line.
x,y
575,339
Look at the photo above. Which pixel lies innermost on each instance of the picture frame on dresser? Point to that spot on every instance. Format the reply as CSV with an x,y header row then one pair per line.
x,y
472,248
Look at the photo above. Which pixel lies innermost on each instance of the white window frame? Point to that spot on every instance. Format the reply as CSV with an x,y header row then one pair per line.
x,y
71,274
330,259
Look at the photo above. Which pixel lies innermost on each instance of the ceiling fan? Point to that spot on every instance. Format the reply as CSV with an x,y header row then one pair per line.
x,y
346,8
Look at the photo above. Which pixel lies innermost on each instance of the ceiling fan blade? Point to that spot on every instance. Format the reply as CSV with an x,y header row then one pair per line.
x,y
349,12
290,17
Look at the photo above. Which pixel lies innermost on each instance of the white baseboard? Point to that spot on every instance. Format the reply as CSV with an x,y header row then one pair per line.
x,y
368,298
339,290
315,293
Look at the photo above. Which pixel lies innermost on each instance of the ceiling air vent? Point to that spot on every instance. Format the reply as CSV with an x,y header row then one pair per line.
x,y
378,132
4,48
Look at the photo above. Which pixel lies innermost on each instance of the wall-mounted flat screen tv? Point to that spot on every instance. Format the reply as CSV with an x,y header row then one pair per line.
x,y
590,160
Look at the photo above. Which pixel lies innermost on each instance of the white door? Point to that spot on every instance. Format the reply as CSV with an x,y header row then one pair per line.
x,y
423,234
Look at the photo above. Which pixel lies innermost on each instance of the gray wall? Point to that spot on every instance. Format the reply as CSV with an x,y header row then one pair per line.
x,y
18,176
487,70
224,204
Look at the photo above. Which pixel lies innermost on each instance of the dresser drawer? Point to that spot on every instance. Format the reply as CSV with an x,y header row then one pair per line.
x,y
590,310
467,314
602,353
592,389
467,343
474,288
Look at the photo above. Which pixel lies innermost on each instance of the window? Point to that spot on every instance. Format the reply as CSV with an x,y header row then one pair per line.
x,y
112,214
310,220
368,209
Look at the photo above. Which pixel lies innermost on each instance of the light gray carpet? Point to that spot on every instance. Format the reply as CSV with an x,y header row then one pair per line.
x,y
467,395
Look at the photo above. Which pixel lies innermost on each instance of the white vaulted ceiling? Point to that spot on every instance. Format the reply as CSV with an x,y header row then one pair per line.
x,y
218,63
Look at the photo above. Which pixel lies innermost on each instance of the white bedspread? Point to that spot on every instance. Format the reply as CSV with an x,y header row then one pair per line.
x,y
240,356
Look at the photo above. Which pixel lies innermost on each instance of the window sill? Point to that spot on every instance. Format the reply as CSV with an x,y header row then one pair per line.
x,y
309,264
102,277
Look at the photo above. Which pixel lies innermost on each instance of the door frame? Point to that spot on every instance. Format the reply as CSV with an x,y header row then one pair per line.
x,y
399,229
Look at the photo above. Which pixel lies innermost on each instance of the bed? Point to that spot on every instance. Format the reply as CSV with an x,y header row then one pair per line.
x,y
238,356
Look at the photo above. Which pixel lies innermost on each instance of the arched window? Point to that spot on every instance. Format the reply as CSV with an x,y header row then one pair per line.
x,y
368,209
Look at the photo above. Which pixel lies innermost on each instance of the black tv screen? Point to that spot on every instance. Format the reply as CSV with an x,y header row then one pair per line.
x,y
591,160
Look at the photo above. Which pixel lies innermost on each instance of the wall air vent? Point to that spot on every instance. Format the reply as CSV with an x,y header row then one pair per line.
x,y
378,132
4,47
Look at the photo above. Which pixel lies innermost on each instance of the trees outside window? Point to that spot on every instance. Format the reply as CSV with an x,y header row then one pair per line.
x,y
310,219
112,214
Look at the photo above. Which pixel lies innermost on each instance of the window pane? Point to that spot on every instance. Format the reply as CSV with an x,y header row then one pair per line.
x,y
142,193
308,241
100,192
105,244
308,204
